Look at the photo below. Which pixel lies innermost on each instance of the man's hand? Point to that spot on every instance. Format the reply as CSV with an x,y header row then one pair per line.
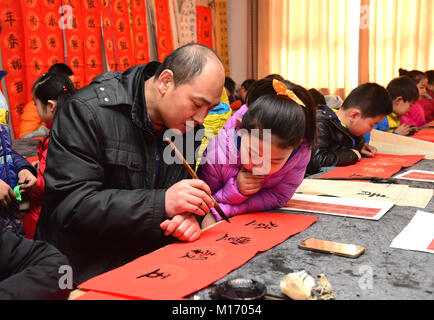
x,y
368,150
248,183
188,196
7,195
182,226
27,179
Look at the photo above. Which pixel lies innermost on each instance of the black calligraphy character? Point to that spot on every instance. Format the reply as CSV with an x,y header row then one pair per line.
x,y
123,45
125,62
91,23
16,64
12,41
36,66
155,274
52,42
34,22
19,107
9,18
19,86
121,27
91,4
75,63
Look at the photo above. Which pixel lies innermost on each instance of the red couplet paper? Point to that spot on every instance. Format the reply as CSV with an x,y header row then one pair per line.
x,y
180,269
381,166
426,135
12,48
204,25
94,295
122,34
140,32
431,245
164,29
418,175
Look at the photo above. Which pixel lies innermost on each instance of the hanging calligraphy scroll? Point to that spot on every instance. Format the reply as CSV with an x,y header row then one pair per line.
x,y
221,27
108,35
186,20
12,44
43,37
53,34
164,31
177,270
140,32
122,34
204,25
73,24
93,62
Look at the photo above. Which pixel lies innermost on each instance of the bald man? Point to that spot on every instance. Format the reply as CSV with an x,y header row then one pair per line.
x,y
110,195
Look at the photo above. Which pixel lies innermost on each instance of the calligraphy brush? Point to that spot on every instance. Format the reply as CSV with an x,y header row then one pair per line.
x,y
373,179
194,176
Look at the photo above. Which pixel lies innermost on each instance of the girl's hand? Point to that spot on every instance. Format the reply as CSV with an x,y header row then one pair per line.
x,y
208,220
183,226
7,195
27,179
35,164
248,183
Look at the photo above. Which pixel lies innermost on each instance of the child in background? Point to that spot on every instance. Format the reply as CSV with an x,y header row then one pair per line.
x,y
340,141
14,170
416,115
262,151
403,93
428,100
48,93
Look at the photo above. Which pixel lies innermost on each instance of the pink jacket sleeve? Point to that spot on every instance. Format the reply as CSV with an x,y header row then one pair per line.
x,y
415,117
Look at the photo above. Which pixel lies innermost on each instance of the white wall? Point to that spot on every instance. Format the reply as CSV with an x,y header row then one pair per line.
x,y
237,34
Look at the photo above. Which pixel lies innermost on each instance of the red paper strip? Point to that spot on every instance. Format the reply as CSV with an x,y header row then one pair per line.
x,y
179,269
204,25
164,29
122,34
92,40
12,45
73,22
381,166
140,32
419,176
431,245
426,135
108,34
95,295
333,208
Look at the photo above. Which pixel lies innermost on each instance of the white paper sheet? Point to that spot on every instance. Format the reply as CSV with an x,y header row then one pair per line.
x,y
348,207
418,235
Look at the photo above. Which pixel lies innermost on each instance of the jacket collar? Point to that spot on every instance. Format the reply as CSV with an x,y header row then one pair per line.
x,y
124,88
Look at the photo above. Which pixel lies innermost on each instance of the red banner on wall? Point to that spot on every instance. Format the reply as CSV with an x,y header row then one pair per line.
x,y
164,29
140,32
122,33
204,25
73,24
93,63
12,44
108,35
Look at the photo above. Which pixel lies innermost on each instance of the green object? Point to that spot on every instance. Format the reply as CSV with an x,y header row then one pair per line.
x,y
17,192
